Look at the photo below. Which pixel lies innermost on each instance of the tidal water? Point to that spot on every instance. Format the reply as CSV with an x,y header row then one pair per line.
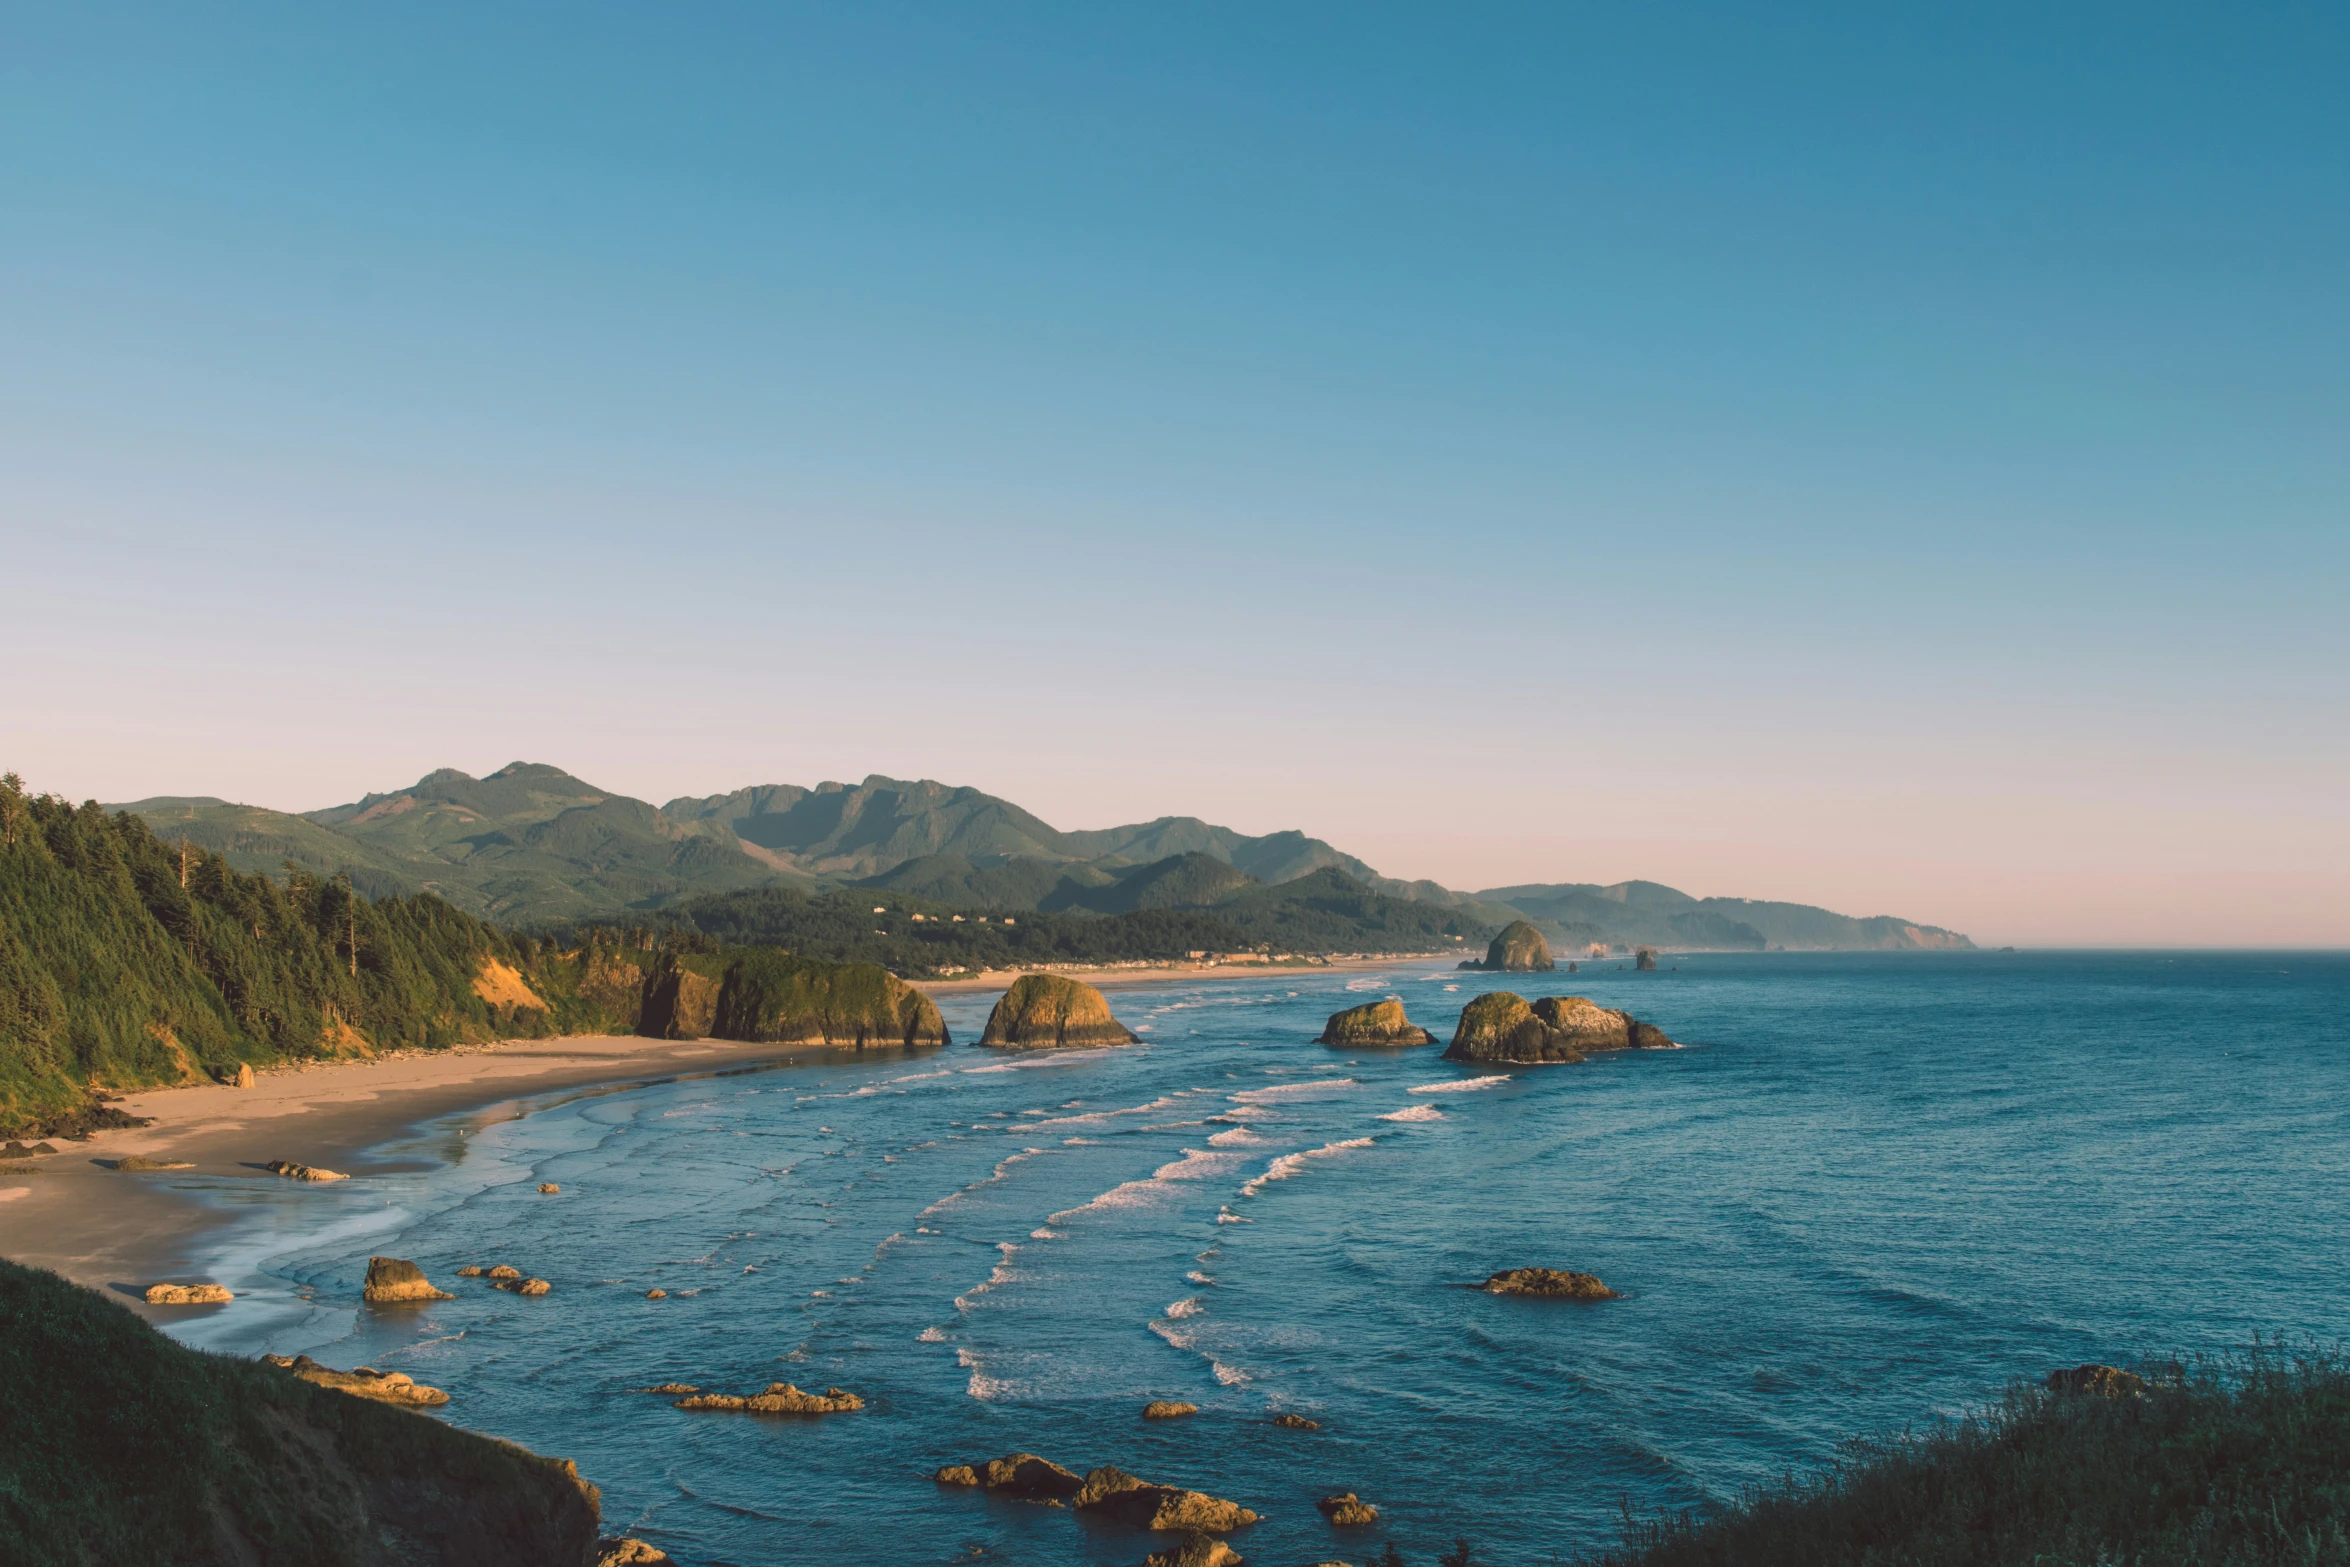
x,y
1869,1191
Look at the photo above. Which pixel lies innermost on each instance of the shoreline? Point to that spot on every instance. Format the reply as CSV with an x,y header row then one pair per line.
x,y
118,1231
1104,976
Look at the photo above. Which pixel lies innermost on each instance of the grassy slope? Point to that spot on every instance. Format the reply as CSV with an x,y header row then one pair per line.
x,y
118,1445
2242,1463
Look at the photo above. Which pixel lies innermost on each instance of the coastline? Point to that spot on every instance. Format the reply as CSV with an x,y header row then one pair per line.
x,y
118,1232
1103,976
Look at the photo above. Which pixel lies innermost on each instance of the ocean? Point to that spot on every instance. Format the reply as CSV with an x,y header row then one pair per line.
x,y
1870,1191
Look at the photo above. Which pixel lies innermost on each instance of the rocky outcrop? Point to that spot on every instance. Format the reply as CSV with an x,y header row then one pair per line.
x,y
628,1552
1347,1510
2101,1381
1297,1423
1048,1011
302,1172
1645,960
680,1001
1110,1492
1550,1283
1499,1026
17,1150
656,1294
1519,949
519,1286
244,1077
187,1294
385,1387
548,1188
770,997
1015,1474
670,1387
136,1162
396,1279
1376,1024
781,1398
1195,1549
1167,1409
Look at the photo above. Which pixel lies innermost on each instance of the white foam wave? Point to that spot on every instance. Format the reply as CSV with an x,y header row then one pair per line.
x,y
1172,1334
1044,1235
1227,1216
1238,1137
933,1336
1163,1102
1280,1091
1373,982
981,1386
1186,1308
1198,1277
1414,1113
1289,1164
1229,1376
1463,1085
1196,1165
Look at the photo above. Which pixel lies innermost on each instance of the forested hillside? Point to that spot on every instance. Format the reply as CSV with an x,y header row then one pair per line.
x,y
126,961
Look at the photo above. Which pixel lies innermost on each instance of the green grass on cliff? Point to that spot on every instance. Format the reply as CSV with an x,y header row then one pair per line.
x,y
118,1445
2239,1462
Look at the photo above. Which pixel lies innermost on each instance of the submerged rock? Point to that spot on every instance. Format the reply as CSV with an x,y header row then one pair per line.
x,y
1297,1423
2103,1381
1167,1409
1195,1549
1347,1510
670,1387
395,1278
781,1398
1047,1011
187,1294
385,1387
1552,1283
1519,949
136,1162
302,1172
1500,1026
1113,1493
1379,1023
523,1286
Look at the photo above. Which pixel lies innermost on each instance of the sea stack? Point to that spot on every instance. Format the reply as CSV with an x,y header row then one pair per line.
x,y
1500,1026
395,1278
1046,1011
1645,960
1519,949
1378,1023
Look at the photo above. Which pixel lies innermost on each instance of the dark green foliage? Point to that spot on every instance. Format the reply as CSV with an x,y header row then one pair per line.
x,y
2240,1463
113,974
118,1445
767,995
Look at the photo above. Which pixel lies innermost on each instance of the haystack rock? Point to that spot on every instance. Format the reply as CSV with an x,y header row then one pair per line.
x,y
2104,1381
385,1387
1550,1283
781,1398
1347,1510
1645,960
302,1172
1499,1026
1167,1409
394,1278
1047,1011
1379,1023
187,1294
1519,949
1115,1494
1195,1549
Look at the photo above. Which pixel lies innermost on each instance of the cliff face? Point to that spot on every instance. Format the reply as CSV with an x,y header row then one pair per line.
x,y
681,1000
1504,1027
140,1450
1379,1023
1045,1011
1519,949
767,996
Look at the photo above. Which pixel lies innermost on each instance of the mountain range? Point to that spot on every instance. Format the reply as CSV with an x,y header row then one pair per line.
x,y
532,846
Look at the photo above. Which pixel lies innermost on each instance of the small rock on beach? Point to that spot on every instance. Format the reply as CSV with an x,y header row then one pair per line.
x,y
303,1172
187,1294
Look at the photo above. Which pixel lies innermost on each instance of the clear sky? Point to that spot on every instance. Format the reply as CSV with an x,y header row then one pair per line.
x,y
1890,457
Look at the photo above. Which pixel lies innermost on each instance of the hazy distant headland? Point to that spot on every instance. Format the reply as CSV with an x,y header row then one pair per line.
x,y
532,846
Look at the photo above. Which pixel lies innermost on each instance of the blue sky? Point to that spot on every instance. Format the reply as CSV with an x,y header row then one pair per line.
x,y
1876,456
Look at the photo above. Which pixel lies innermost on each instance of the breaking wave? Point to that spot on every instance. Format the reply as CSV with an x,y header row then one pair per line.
x,y
1414,1113
1289,1164
1463,1085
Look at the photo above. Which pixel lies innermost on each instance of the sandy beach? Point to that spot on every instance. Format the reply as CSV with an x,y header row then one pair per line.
x,y
120,1231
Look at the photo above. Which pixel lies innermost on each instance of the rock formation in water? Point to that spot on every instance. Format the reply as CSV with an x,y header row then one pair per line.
x,y
1550,1283
1499,1026
385,1387
1376,1024
781,1398
1195,1548
136,1162
394,1278
504,1271
523,1286
302,1172
656,1294
1519,949
627,1552
548,1188
1297,1423
2102,1381
1347,1510
1015,1474
1645,960
1167,1409
767,997
1111,1492
1048,1011
187,1294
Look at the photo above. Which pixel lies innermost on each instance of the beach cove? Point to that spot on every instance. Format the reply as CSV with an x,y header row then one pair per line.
x,y
1016,1252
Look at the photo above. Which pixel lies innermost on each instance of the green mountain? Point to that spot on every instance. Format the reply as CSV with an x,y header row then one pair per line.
x,y
1575,914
